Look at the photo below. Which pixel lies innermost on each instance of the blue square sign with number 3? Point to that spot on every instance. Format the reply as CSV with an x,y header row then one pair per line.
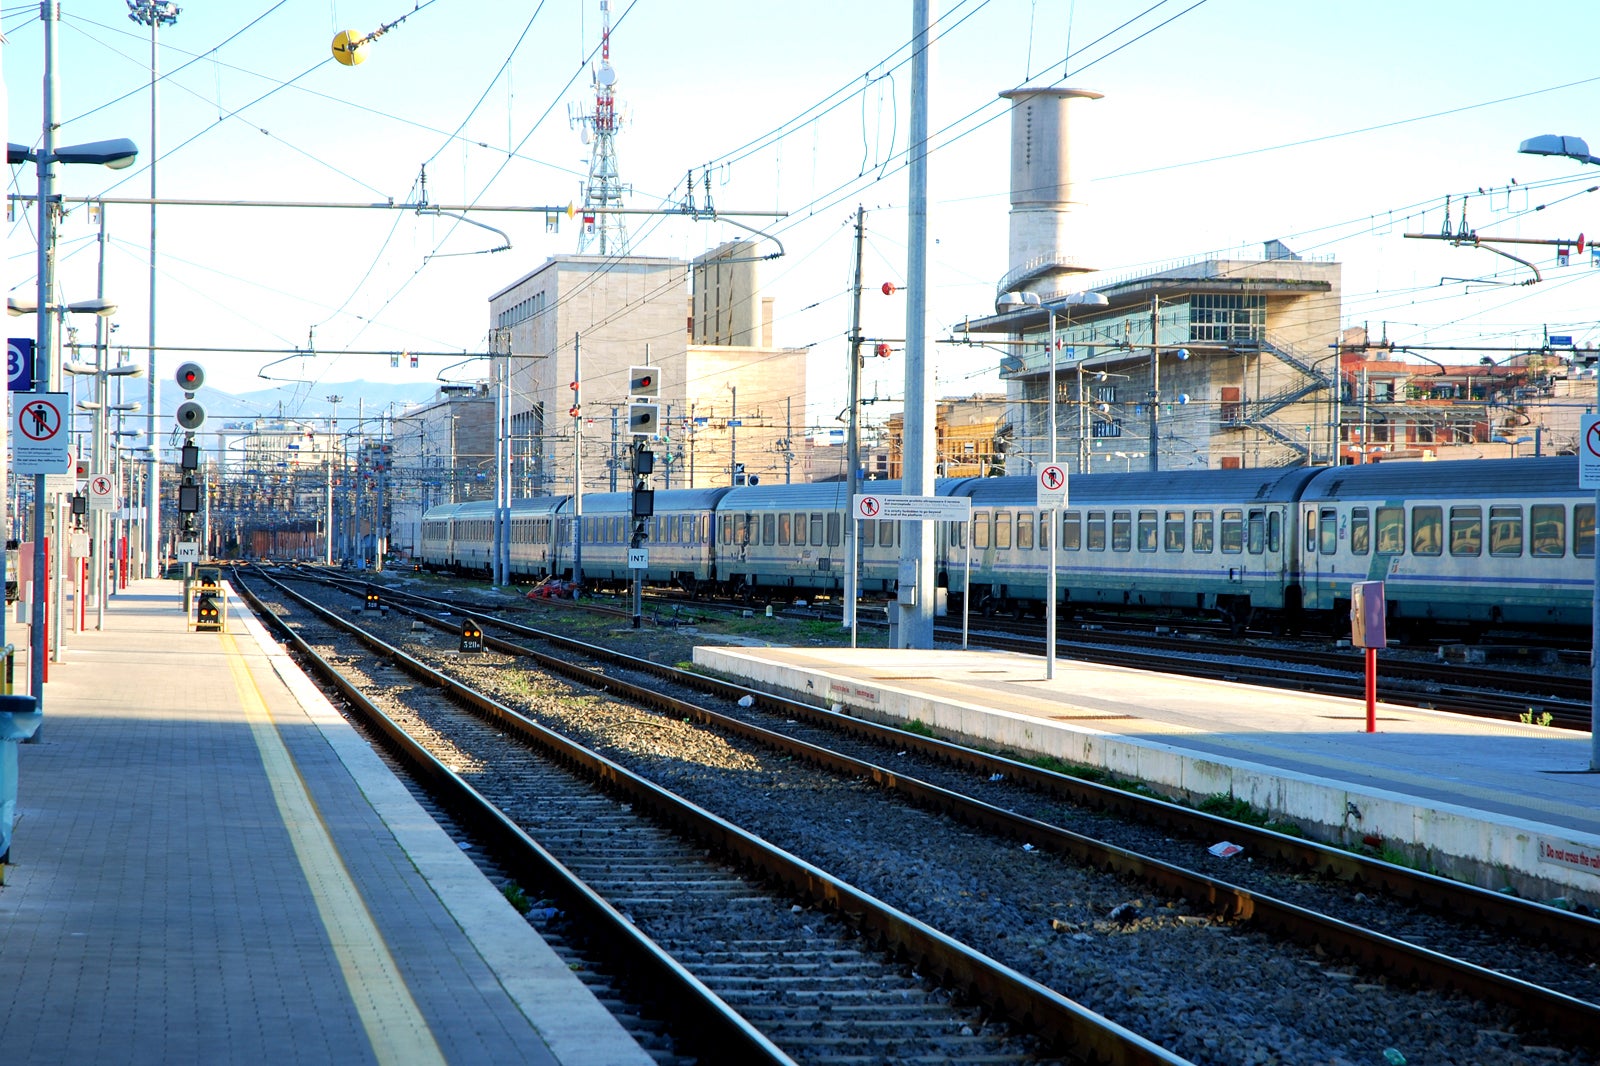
x,y
19,364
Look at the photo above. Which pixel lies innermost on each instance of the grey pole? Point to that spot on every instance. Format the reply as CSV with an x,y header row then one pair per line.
x,y
153,13
852,441
1155,383
915,629
577,463
1050,600
49,15
97,448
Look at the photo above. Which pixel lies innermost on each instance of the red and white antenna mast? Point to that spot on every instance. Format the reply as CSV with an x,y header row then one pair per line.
x,y
602,231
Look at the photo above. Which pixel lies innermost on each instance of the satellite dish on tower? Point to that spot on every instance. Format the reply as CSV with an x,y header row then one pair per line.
x,y
605,76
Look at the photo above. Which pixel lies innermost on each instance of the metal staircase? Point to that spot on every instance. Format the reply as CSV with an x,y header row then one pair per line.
x,y
1257,414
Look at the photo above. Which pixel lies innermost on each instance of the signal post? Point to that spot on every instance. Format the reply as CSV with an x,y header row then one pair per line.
x,y
644,422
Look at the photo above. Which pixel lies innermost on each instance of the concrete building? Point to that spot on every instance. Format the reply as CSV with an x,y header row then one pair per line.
x,y
441,452
730,402
1242,351
968,437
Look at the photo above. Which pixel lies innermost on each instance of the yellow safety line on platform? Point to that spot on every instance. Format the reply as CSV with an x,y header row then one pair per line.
x,y
395,1026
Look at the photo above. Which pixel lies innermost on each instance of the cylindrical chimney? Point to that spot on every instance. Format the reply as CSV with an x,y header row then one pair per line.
x,y
1041,188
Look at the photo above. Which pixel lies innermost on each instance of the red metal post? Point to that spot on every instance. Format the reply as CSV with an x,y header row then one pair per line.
x,y
1372,690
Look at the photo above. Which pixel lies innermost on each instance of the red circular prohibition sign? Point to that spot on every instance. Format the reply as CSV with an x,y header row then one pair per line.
x,y
1591,440
39,420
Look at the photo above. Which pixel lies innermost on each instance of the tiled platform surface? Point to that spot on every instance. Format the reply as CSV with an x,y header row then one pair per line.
x,y
209,866
1492,802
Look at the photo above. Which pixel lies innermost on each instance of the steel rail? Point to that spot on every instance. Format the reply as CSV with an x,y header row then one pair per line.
x,y
714,1022
1058,1019
1573,1018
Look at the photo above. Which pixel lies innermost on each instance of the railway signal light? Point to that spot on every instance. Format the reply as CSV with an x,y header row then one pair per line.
x,y
644,382
191,415
207,616
190,377
471,636
644,462
372,601
644,419
644,503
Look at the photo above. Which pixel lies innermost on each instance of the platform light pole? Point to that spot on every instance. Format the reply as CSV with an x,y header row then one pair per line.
x,y
155,14
115,154
1576,148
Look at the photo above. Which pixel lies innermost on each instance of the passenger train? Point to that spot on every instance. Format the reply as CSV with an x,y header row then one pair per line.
x,y
1475,543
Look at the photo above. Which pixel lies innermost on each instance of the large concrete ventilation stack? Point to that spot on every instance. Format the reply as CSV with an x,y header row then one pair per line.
x,y
1041,190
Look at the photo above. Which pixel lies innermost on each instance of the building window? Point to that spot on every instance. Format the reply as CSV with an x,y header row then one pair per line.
x,y
1223,317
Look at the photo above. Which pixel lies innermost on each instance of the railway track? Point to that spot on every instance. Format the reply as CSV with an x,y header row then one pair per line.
x,y
771,956
1338,883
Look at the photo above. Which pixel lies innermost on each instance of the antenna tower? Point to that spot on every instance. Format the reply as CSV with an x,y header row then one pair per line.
x,y
602,231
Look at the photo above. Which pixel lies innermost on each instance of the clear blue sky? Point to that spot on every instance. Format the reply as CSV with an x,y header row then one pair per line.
x,y
1194,148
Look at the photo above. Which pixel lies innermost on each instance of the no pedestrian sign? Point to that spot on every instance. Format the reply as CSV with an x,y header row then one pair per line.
x,y
1050,487
1589,454
102,493
38,443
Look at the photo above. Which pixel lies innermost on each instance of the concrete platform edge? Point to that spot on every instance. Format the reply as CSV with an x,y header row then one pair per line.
x,y
1454,841
577,1029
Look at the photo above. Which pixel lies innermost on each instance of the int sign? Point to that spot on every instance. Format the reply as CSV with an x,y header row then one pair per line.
x,y
1589,454
1050,486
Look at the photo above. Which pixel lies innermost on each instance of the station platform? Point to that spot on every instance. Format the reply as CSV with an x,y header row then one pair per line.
x,y
210,865
1496,804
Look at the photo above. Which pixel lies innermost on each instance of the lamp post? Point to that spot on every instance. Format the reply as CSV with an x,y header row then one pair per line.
x,y
1575,148
155,14
115,154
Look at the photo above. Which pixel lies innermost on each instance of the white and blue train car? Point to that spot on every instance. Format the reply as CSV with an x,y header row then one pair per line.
x,y
773,540
533,523
459,536
1480,543
1213,541
679,538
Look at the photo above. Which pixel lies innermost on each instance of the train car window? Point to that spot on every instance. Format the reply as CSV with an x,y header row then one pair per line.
x,y
705,529
1071,531
1547,527
1147,531
1095,537
1427,530
1466,531
958,534
834,519
1025,530
1173,541
1232,531
816,530
1044,530
1327,531
769,529
1255,532
1583,530
783,530
1121,531
1274,531
1204,531
1310,526
1391,530
981,521
799,530
1002,529
886,527
869,534
727,529
1360,531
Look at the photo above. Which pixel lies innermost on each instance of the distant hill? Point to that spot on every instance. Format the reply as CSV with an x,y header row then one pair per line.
x,y
298,401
